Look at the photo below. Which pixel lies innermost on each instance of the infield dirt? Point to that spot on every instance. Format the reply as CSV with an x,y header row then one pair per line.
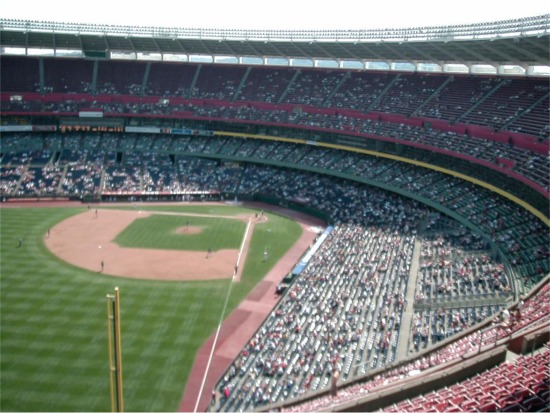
x,y
86,240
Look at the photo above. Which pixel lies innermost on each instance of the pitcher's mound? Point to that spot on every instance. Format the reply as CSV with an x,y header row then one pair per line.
x,y
190,230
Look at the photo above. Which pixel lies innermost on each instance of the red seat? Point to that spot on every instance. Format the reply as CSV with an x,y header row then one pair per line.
x,y
428,404
441,407
514,398
540,387
538,377
522,393
457,401
404,405
513,408
469,405
490,388
488,407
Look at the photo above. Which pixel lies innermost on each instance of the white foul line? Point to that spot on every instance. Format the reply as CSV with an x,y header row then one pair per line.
x,y
221,317
242,246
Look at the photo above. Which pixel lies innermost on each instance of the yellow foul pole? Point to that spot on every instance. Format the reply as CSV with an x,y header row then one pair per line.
x,y
112,367
118,346
115,351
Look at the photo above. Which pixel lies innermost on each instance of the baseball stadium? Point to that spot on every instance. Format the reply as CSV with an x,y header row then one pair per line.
x,y
214,220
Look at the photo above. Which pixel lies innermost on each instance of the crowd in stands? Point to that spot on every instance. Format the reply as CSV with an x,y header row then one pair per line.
x,y
513,384
238,94
532,165
345,310
514,104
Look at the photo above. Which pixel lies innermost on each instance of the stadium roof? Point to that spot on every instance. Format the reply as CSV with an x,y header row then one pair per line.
x,y
519,42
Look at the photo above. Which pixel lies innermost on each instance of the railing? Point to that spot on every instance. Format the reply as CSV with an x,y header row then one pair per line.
x,y
522,26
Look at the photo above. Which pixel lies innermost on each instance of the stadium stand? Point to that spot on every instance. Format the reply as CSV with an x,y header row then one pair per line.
x,y
431,287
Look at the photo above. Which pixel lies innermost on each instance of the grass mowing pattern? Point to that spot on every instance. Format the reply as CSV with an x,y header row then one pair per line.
x,y
160,231
54,328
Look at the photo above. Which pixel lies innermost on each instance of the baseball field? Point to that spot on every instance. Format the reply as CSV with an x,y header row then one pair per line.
x,y
173,265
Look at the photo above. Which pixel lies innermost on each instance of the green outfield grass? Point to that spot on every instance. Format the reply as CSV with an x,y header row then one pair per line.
x,y
54,353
